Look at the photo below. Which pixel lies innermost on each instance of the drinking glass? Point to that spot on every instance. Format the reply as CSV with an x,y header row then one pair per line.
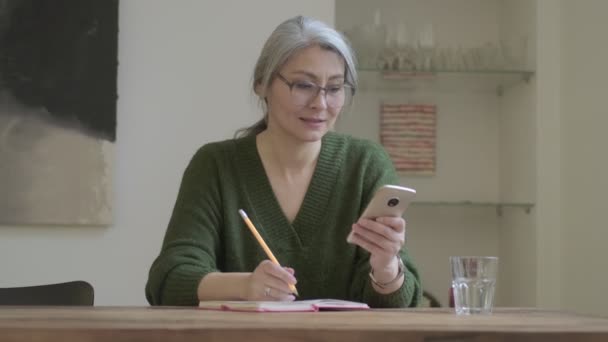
x,y
473,283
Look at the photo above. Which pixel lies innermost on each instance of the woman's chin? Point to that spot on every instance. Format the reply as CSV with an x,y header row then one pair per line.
x,y
312,136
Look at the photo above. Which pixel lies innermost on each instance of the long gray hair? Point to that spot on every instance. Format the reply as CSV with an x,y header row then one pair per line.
x,y
290,37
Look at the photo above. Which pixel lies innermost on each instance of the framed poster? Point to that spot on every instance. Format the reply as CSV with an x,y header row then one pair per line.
x,y
58,68
408,133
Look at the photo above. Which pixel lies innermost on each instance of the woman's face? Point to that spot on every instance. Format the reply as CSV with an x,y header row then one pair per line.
x,y
296,106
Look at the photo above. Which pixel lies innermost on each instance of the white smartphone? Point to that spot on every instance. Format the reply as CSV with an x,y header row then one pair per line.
x,y
389,200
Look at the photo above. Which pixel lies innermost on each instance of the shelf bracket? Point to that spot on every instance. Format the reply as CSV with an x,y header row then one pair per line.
x,y
526,76
500,208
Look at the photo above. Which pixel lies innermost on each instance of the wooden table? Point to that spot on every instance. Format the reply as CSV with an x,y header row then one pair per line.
x,y
190,324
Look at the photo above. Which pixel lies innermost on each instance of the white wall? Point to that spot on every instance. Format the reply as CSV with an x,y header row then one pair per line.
x,y
184,76
584,117
571,168
548,154
517,165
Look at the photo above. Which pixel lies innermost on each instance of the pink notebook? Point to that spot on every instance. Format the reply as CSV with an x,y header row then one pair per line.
x,y
295,306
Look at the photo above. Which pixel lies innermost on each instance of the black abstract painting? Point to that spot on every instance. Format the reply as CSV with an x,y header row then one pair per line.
x,y
58,68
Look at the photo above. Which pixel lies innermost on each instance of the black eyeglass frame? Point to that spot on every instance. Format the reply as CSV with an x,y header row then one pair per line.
x,y
318,87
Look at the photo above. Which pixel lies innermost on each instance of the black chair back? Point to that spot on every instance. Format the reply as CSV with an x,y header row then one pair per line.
x,y
73,293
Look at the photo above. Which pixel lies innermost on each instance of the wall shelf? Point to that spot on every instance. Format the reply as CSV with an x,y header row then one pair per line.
x,y
481,79
499,206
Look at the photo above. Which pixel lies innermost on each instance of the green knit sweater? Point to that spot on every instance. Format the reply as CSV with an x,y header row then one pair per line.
x,y
206,233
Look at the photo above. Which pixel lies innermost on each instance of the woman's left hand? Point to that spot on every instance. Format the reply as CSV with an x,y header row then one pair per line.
x,y
382,238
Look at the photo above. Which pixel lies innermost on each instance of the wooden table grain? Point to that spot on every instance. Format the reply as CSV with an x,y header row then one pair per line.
x,y
118,324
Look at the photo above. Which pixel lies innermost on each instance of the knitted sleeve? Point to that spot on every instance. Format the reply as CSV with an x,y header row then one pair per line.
x,y
191,241
380,171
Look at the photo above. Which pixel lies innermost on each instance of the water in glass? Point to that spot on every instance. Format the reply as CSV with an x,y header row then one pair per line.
x,y
473,295
473,283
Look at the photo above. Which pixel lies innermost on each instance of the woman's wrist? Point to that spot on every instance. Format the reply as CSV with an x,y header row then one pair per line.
x,y
224,286
244,286
389,278
387,273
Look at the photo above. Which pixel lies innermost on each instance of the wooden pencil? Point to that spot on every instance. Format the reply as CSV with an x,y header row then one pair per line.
x,y
264,245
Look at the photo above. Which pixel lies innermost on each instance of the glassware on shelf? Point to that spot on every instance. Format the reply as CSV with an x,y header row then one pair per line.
x,y
382,47
368,41
425,48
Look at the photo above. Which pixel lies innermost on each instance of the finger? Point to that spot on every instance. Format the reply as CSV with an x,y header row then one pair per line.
x,y
385,237
274,294
366,233
383,244
394,233
379,228
279,288
371,247
290,270
398,224
279,272
362,241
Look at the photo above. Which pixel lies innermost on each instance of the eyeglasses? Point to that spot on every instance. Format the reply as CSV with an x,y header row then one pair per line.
x,y
303,92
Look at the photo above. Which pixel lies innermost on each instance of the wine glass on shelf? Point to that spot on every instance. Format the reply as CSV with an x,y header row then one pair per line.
x,y
425,47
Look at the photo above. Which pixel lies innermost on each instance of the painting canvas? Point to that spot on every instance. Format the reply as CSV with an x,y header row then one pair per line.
x,y
58,65
408,132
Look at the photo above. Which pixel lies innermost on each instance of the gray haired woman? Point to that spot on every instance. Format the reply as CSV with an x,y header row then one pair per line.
x,y
301,184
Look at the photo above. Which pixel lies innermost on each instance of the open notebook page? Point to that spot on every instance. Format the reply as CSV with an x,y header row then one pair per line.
x,y
273,306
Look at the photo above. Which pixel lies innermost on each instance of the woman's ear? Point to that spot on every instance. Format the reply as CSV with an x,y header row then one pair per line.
x,y
259,91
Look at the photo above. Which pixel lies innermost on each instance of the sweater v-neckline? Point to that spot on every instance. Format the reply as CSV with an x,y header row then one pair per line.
x,y
271,219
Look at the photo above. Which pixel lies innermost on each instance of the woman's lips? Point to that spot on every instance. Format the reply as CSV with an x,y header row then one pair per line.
x,y
312,122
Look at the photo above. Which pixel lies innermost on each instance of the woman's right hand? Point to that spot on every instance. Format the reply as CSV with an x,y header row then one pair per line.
x,y
270,281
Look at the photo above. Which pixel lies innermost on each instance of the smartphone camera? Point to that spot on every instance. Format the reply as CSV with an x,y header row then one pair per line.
x,y
393,202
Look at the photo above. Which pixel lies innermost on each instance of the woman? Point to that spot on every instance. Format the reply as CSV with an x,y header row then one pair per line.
x,y
302,185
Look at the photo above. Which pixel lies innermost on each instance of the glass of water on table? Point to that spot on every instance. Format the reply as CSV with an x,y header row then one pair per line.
x,y
473,283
